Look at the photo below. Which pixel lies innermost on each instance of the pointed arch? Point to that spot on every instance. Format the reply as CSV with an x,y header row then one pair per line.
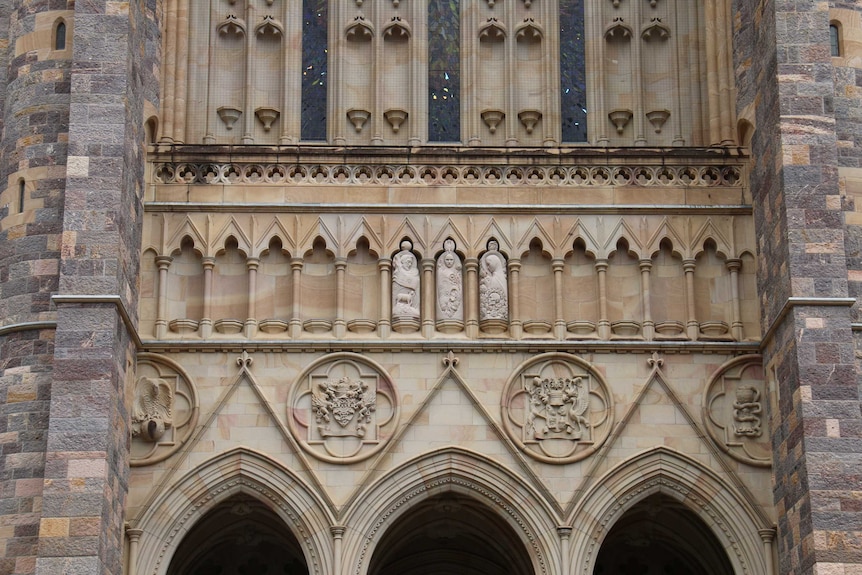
x,y
729,516
458,471
239,471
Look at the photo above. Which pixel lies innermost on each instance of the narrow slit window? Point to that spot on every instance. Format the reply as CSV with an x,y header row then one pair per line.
x,y
573,72
314,69
444,71
21,196
834,41
60,36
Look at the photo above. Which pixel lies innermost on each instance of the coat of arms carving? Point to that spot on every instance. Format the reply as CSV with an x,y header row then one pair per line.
x,y
557,408
347,403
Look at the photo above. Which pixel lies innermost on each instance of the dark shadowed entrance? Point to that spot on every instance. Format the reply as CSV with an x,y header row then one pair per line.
x,y
239,537
452,535
660,536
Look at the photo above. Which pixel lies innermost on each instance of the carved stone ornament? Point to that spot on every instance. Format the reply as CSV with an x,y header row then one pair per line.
x,y
557,408
734,411
405,290
493,289
164,409
343,408
450,289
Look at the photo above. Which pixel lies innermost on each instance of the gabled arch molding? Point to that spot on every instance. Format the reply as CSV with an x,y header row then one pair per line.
x,y
728,515
451,470
241,470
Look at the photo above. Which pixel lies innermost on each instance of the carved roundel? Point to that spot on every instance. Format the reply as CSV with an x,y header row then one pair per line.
x,y
164,409
734,411
557,408
343,408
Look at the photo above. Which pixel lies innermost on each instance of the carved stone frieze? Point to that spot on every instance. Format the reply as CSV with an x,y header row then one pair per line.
x,y
343,408
734,411
557,408
164,409
293,174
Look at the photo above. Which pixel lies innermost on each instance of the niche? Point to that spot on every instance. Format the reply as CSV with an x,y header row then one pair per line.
x,y
230,289
318,288
274,288
536,287
185,289
625,305
362,289
713,294
667,293
580,293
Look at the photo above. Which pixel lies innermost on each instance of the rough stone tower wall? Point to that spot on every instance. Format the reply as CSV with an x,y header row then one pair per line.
x,y
35,92
803,279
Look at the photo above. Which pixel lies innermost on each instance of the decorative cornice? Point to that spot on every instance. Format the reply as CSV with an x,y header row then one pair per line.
x,y
456,346
514,173
793,302
27,326
61,299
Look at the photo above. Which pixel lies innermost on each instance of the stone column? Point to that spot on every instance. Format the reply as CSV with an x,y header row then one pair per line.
x,y
164,263
384,325
565,534
648,324
471,297
134,536
604,327
733,266
559,321
692,326
337,538
207,319
251,321
296,284
340,326
429,297
516,324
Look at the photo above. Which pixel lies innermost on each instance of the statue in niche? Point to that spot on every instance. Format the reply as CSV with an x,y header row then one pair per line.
x,y
152,408
405,283
346,402
493,289
746,412
558,407
450,294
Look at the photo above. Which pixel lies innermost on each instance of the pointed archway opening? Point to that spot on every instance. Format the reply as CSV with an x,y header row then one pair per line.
x,y
661,536
450,534
239,536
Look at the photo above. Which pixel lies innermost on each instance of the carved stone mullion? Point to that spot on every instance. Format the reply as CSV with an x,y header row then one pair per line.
x,y
713,112
181,68
596,105
248,106
676,116
638,84
648,323
206,321
510,105
336,117
693,328
163,263
169,70
377,82
296,265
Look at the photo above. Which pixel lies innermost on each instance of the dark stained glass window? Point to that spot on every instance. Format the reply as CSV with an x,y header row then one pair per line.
x,y
314,52
573,72
834,42
444,71
60,36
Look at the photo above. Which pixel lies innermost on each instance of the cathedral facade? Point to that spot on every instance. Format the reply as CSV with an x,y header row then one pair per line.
x,y
430,286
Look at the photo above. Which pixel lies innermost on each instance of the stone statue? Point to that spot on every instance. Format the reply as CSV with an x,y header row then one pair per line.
x,y
405,283
450,291
152,408
493,289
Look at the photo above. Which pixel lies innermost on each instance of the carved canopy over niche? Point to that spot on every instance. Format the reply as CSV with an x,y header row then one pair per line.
x,y
557,408
734,411
343,408
164,409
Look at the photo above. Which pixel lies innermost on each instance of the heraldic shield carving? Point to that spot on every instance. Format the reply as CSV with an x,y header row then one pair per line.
x,y
557,408
343,408
734,411
164,409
